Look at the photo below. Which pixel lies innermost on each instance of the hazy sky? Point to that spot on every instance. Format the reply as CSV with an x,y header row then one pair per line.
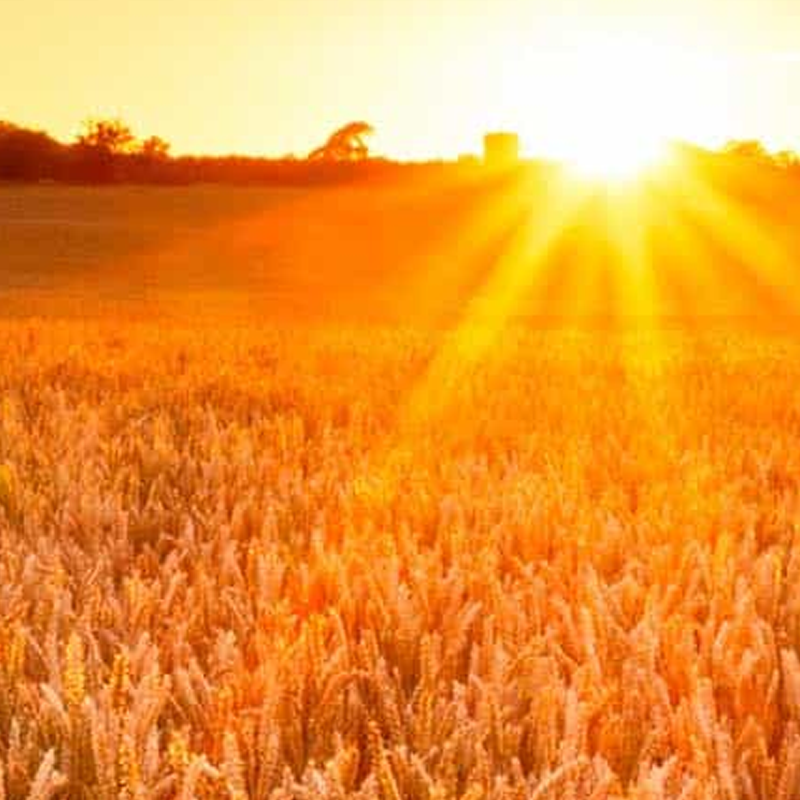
x,y
274,76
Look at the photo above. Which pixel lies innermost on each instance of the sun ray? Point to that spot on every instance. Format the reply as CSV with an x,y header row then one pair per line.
x,y
628,217
754,248
468,251
518,271
691,284
638,315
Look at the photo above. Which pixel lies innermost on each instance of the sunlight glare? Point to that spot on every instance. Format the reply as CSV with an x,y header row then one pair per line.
x,y
614,158
614,104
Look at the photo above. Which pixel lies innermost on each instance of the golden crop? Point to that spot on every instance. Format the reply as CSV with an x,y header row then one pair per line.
x,y
326,563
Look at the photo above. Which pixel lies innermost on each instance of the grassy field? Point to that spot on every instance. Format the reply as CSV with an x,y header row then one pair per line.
x,y
402,252
247,250
323,554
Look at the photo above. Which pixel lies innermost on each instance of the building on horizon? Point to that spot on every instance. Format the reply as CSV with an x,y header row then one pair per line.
x,y
501,149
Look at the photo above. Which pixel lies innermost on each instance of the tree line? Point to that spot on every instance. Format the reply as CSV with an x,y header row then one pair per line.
x,y
107,151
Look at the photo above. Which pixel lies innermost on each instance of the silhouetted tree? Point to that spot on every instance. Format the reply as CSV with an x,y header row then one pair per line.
x,y
747,148
110,135
154,148
28,154
786,159
345,144
100,146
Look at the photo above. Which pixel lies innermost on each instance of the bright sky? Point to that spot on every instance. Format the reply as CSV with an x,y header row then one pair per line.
x,y
275,76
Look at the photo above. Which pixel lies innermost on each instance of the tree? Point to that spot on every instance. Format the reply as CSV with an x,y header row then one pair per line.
x,y
345,144
154,148
110,136
28,154
748,148
786,159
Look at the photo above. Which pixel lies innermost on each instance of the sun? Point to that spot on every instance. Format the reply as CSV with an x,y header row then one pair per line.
x,y
611,107
616,157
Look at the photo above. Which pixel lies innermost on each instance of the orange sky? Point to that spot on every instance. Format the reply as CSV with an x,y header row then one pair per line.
x,y
273,76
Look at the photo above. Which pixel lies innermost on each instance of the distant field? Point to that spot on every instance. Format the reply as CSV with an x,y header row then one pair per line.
x,y
268,248
128,241
403,251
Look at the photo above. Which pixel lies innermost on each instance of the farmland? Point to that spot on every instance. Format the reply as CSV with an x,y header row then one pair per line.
x,y
279,519
148,249
407,252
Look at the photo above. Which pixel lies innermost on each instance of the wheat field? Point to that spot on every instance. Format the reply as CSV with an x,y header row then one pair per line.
x,y
336,562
